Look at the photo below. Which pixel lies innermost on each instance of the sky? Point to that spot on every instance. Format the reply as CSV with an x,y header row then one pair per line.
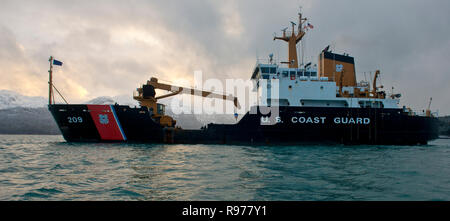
x,y
110,47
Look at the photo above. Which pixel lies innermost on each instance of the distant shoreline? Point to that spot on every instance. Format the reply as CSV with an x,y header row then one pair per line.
x,y
30,134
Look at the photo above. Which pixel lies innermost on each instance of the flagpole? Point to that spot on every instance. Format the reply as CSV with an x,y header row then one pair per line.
x,y
50,81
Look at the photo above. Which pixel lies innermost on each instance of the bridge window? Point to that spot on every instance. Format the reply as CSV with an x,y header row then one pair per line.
x,y
371,104
285,73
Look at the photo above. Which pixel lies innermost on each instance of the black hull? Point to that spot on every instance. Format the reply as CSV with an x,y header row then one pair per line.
x,y
295,125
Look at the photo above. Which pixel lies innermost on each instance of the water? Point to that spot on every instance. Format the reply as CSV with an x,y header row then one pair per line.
x,y
47,168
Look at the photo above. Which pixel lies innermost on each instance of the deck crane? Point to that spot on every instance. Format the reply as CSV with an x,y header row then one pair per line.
x,y
146,96
375,92
428,111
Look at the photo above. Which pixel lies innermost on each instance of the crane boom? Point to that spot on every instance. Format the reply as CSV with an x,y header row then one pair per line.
x,y
183,90
147,98
428,111
374,86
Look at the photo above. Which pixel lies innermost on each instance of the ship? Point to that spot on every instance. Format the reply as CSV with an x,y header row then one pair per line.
x,y
321,103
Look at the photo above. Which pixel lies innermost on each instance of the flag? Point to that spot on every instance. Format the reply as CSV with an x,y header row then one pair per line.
x,y
56,62
310,26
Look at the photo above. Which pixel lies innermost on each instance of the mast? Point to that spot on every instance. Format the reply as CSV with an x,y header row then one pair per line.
x,y
50,81
293,40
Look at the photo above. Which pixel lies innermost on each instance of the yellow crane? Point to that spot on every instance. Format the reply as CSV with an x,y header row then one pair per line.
x,y
375,92
147,98
428,112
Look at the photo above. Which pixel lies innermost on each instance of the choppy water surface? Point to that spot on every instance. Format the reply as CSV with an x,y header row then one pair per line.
x,y
47,168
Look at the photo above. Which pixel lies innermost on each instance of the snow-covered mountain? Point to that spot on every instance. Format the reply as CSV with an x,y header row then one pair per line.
x,y
101,100
23,120
11,99
121,99
20,114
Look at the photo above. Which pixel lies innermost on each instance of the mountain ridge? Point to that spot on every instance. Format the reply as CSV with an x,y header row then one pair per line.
x,y
20,114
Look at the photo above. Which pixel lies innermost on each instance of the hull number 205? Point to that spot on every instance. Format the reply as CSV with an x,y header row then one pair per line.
x,y
74,120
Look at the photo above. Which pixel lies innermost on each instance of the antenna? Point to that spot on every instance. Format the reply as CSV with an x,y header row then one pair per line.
x,y
303,43
284,32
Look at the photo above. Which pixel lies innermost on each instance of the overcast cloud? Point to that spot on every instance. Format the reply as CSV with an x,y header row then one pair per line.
x,y
110,47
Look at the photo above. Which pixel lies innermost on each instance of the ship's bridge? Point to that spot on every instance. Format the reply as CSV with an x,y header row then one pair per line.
x,y
303,87
274,71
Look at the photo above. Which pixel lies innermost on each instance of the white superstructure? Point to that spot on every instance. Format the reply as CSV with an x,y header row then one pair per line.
x,y
302,87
